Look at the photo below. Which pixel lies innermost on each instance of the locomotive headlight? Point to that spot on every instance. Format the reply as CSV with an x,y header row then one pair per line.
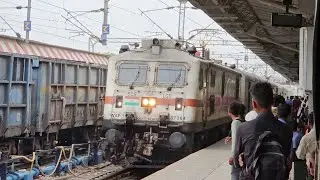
x,y
152,102
119,101
148,102
179,102
119,104
145,102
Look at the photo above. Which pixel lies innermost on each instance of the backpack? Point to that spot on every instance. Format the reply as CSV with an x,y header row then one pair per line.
x,y
268,160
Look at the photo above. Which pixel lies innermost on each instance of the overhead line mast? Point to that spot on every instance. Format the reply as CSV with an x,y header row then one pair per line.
x,y
182,18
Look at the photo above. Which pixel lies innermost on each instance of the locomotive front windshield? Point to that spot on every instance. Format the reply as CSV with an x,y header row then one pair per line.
x,y
132,73
171,74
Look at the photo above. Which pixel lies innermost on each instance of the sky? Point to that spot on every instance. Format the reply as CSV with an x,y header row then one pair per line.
x,y
51,23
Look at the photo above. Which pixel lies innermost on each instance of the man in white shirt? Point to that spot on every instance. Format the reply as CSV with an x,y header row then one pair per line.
x,y
251,115
308,144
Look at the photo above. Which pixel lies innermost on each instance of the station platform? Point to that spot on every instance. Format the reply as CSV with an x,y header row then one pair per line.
x,y
209,163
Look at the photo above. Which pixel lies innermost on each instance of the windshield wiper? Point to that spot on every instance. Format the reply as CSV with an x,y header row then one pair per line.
x,y
136,78
175,81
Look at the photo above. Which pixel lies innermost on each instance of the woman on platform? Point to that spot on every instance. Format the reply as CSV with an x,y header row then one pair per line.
x,y
237,113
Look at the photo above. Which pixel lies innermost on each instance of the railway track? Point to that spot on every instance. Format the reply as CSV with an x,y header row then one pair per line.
x,y
133,172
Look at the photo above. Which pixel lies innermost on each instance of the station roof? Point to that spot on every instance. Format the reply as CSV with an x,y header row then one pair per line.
x,y
249,21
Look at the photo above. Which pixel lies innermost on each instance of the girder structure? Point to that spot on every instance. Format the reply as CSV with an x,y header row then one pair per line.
x,y
182,19
249,21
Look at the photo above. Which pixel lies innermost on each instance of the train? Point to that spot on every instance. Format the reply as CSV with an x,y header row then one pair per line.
x,y
164,96
156,96
49,95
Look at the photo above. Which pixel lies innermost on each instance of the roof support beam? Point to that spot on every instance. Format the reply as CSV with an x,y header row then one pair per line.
x,y
245,39
220,7
225,18
214,7
229,23
273,42
283,60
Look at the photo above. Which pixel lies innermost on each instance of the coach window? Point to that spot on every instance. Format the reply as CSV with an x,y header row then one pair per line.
x,y
213,78
201,79
223,79
171,74
130,73
212,103
237,87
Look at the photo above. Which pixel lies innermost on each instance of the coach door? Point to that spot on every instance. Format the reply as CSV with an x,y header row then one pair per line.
x,y
249,104
206,95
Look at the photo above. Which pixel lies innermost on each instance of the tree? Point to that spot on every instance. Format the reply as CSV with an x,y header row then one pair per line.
x,y
110,54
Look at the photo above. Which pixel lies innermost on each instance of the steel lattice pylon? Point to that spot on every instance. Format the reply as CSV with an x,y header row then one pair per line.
x,y
182,17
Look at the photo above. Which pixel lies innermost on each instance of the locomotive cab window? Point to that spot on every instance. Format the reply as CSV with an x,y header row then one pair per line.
x,y
130,73
171,74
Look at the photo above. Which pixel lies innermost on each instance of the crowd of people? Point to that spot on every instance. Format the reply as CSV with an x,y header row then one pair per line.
x,y
273,139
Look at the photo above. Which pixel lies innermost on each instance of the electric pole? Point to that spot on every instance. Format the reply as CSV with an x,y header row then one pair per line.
x,y
237,65
182,17
105,26
28,21
91,43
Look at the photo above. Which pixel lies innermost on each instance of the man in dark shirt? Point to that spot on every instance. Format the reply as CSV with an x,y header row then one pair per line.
x,y
262,100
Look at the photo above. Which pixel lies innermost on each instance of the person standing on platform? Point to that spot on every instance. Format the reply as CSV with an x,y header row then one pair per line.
x,y
255,134
296,103
308,145
236,112
283,111
251,115
277,99
299,166
289,101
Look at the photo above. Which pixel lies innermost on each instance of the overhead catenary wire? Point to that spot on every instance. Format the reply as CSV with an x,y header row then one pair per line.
x,y
186,16
52,34
91,19
51,4
86,12
16,7
33,17
71,39
17,34
200,31
156,24
137,35
44,10
89,32
112,5
68,38
86,32
35,24
8,2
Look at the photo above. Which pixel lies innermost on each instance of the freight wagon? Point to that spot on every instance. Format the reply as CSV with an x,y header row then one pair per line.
x,y
48,94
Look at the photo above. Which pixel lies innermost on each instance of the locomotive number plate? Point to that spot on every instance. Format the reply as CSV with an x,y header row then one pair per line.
x,y
117,115
177,118
166,95
132,93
